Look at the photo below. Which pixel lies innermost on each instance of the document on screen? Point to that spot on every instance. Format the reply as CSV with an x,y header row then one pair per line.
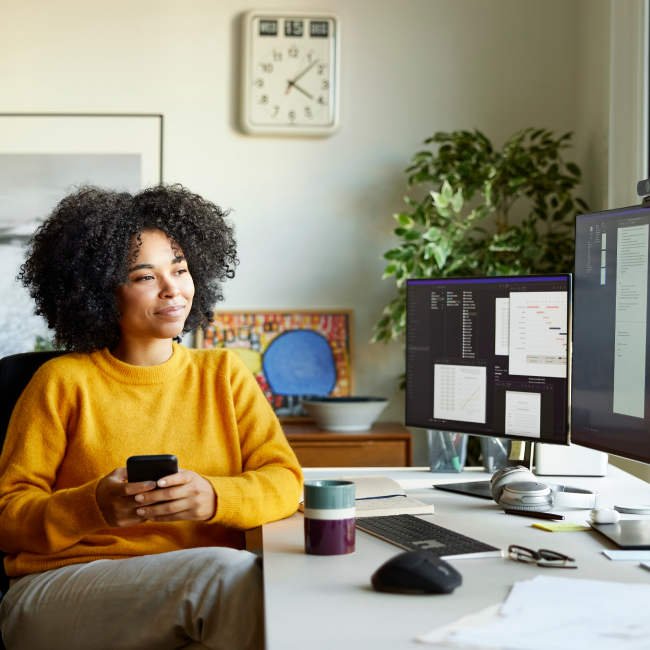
x,y
523,413
459,393
538,334
631,307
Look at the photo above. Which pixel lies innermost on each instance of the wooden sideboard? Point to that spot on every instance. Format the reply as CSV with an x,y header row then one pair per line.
x,y
386,444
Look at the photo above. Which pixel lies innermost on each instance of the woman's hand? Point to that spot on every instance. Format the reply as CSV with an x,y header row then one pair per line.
x,y
186,496
115,498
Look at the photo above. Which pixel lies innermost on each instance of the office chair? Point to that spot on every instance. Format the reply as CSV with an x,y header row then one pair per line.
x,y
15,373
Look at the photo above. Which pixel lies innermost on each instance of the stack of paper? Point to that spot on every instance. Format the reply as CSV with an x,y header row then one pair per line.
x,y
562,614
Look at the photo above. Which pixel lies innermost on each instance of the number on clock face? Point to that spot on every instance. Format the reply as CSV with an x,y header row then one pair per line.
x,y
292,75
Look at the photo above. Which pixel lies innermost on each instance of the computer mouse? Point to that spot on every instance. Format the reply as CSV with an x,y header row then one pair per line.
x,y
416,572
604,516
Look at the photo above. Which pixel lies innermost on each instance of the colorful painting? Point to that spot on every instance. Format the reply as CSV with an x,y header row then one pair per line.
x,y
292,354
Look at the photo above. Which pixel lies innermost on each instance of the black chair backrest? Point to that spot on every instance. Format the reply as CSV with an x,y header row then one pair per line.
x,y
16,372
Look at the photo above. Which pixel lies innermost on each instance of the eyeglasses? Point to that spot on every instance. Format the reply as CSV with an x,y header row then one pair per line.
x,y
543,557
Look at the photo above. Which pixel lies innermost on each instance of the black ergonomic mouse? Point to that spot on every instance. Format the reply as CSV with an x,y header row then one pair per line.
x,y
416,572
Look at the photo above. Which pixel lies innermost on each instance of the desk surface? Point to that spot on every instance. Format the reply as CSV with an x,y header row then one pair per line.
x,y
323,603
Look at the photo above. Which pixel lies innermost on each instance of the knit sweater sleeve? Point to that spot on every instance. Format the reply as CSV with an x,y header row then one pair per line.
x,y
34,515
270,485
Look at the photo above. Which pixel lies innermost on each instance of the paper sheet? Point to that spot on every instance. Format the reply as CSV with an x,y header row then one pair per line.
x,y
559,613
392,506
629,556
372,487
438,636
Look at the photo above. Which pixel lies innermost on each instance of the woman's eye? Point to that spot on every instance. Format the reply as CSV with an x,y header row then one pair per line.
x,y
145,277
181,271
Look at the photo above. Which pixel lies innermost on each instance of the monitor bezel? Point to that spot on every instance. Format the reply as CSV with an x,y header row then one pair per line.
x,y
585,217
568,277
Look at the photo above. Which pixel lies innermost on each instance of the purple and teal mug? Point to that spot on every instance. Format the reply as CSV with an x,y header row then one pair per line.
x,y
329,517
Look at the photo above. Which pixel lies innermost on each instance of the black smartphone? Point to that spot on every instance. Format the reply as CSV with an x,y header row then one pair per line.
x,y
150,468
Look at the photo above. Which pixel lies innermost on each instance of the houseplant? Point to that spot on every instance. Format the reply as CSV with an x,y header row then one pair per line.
x,y
463,226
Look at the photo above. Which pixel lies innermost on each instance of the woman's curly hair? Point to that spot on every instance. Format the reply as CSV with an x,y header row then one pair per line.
x,y
80,254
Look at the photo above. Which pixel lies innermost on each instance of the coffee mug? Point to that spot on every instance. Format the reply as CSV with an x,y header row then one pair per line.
x,y
329,517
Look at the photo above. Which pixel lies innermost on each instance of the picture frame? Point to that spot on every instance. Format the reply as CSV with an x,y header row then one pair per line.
x,y
43,157
291,353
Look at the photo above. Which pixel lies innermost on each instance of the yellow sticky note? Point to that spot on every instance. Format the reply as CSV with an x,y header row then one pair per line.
x,y
561,527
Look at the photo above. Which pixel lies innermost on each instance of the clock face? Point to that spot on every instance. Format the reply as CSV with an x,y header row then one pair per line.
x,y
291,74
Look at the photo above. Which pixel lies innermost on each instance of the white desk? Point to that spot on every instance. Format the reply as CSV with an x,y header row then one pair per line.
x,y
327,603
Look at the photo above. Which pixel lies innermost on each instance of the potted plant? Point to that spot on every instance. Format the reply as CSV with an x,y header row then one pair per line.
x,y
463,225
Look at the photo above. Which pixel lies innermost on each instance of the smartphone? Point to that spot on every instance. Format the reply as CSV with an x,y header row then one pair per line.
x,y
150,468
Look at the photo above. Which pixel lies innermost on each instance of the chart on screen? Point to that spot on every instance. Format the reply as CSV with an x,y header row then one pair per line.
x,y
538,334
502,326
459,393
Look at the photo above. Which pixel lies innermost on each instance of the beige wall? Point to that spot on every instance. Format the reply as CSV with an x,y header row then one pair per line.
x,y
314,216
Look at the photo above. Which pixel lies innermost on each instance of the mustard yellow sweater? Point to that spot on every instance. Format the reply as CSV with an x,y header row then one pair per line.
x,y
83,415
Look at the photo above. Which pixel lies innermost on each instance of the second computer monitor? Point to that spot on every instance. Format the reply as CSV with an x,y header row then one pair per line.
x,y
488,356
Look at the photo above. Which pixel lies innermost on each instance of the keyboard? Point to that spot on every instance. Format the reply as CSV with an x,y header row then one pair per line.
x,y
414,534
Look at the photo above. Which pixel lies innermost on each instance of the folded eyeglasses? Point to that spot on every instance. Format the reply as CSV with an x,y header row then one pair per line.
x,y
543,557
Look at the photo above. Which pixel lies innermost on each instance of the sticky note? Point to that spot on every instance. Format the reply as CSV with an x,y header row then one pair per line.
x,y
561,527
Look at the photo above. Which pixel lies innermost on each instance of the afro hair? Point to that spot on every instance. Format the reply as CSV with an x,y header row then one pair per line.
x,y
80,254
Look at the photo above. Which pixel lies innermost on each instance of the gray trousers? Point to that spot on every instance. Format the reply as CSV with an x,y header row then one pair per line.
x,y
195,598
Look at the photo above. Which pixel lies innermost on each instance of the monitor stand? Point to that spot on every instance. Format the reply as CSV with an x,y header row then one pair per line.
x,y
521,453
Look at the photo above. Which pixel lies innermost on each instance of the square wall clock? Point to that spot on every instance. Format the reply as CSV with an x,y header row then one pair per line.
x,y
290,73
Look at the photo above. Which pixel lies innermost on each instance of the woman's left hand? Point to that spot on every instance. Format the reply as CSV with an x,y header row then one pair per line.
x,y
186,496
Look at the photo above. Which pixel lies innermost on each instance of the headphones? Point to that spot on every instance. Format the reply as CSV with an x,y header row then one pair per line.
x,y
516,488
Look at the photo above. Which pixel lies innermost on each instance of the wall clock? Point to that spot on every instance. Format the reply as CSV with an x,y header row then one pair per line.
x,y
290,73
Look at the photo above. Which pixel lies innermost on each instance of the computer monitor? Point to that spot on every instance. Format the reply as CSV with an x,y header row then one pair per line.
x,y
488,356
611,386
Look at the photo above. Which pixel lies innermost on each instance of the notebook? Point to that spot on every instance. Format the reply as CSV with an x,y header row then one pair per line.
x,y
380,496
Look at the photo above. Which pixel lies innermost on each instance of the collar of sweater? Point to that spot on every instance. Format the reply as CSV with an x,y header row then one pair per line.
x,y
142,375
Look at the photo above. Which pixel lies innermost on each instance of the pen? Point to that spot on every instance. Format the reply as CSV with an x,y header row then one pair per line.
x,y
534,515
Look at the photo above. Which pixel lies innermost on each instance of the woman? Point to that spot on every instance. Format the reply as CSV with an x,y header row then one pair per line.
x,y
97,562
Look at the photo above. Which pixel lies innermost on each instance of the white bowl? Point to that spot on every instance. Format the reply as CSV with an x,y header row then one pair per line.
x,y
345,414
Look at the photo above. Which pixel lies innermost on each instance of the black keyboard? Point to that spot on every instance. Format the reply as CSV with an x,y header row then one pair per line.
x,y
414,534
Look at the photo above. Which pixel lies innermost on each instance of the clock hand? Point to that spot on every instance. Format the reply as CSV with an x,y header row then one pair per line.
x,y
305,71
300,75
302,90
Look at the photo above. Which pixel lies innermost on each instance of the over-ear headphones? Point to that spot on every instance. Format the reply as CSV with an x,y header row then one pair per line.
x,y
516,488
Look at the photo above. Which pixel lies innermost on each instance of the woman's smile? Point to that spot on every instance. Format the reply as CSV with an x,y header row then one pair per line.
x,y
172,311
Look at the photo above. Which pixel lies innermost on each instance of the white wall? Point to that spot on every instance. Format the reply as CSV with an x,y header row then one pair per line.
x,y
313,216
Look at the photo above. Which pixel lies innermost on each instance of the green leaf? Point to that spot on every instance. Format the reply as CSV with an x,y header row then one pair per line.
x,y
533,252
390,270
433,234
392,254
457,201
574,169
446,191
444,212
439,200
411,235
440,254
404,220
487,191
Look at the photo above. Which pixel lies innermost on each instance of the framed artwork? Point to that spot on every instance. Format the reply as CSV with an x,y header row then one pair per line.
x,y
42,158
292,354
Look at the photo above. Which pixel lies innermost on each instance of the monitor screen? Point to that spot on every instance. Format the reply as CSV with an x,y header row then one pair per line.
x,y
610,398
488,356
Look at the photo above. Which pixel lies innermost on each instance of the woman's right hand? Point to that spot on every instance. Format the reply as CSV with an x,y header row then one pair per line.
x,y
116,498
